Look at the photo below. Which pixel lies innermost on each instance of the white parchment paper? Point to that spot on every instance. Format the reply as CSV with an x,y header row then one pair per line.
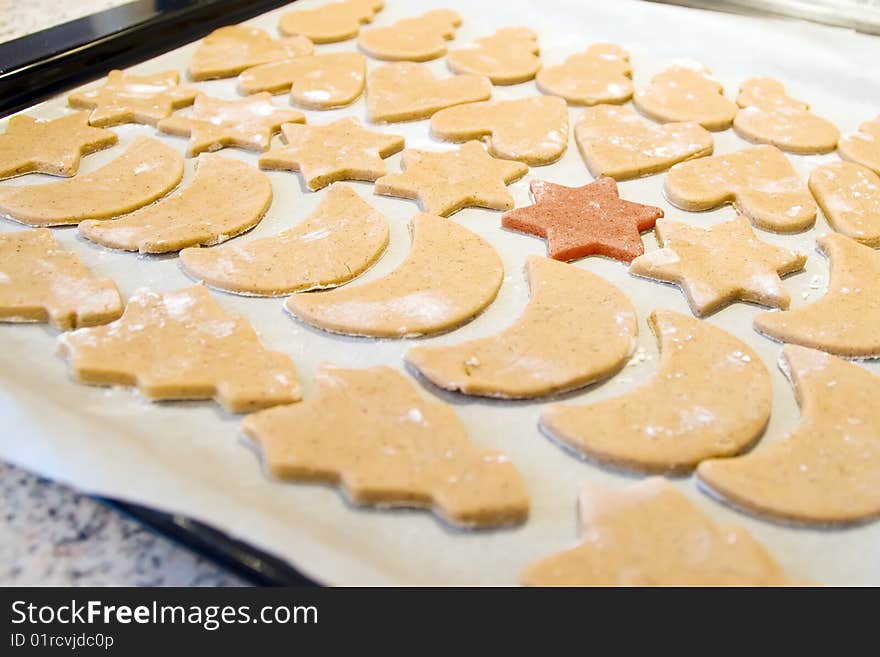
x,y
188,458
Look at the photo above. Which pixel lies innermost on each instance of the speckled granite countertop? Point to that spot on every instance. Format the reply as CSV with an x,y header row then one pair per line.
x,y
51,535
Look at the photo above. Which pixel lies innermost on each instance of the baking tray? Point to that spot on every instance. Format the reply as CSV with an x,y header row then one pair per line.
x,y
188,459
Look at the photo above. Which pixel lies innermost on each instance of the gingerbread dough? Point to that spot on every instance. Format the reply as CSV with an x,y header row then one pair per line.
x,y
335,21
759,181
342,150
416,39
846,321
719,265
214,123
54,147
711,397
406,91
615,142
592,334
445,182
40,282
863,146
147,170
507,57
370,432
229,50
182,345
768,116
226,198
532,130
683,93
826,470
601,74
340,240
649,534
849,195
448,278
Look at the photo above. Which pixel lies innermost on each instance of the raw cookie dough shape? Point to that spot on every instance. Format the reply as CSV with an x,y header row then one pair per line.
x,y
759,181
711,397
315,81
849,195
649,534
576,329
444,182
863,147
53,147
614,141
182,345
332,22
370,432
340,240
128,98
342,150
846,321
146,171
214,123
229,50
583,221
509,56
683,93
416,39
719,265
533,130
40,282
601,74
448,278
226,198
768,116
406,91
826,470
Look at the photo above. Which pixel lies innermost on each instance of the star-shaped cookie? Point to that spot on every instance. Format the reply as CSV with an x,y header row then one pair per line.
x,y
52,147
214,123
719,265
127,98
584,221
342,150
445,182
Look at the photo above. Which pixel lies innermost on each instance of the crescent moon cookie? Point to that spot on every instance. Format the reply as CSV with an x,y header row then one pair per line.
x,y
445,182
342,150
449,277
863,147
416,39
509,56
229,50
601,74
711,397
146,171
768,116
584,221
182,345
849,195
406,91
193,215
826,470
315,81
334,21
719,265
759,181
846,321
40,282
685,93
214,123
371,433
594,331
339,241
649,534
53,147
615,142
128,98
